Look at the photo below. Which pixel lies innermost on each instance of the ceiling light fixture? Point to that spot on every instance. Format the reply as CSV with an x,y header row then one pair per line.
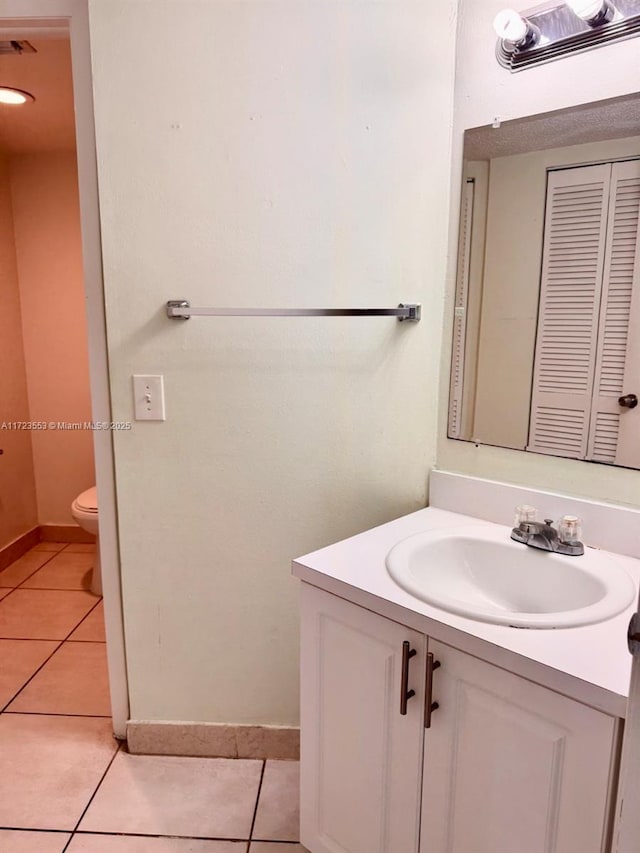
x,y
557,29
9,95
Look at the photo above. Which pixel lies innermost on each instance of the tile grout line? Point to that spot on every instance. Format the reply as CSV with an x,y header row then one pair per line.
x,y
55,714
24,580
76,831
53,588
91,798
78,624
33,829
46,563
113,834
50,639
83,833
45,662
86,616
33,675
255,811
60,644
48,588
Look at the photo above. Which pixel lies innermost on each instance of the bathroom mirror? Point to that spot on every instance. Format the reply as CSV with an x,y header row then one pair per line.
x,y
546,343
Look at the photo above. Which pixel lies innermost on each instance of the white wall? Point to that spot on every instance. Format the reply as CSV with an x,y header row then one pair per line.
x,y
44,190
264,153
484,90
18,512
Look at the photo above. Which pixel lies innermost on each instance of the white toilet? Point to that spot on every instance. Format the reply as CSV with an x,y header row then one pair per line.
x,y
85,512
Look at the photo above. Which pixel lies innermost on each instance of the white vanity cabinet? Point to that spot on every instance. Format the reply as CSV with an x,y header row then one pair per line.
x,y
506,766
361,758
512,767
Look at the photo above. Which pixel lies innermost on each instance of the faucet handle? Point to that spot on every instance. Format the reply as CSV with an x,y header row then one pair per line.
x,y
525,514
570,528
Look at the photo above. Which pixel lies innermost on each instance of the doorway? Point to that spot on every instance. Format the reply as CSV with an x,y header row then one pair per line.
x,y
39,20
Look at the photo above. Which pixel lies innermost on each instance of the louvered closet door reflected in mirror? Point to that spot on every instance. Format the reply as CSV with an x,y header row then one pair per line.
x,y
587,355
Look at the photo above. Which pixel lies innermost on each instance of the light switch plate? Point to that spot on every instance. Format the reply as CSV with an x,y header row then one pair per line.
x,y
148,398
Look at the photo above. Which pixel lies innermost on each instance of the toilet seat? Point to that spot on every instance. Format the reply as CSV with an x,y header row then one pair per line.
x,y
84,511
88,501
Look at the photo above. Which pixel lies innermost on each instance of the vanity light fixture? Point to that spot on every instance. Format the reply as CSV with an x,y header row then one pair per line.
x,y
515,31
594,12
557,29
14,97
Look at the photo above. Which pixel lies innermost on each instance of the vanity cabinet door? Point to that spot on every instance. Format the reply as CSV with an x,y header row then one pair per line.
x,y
511,766
361,760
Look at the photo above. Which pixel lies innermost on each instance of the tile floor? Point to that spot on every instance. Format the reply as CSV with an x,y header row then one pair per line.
x,y
66,786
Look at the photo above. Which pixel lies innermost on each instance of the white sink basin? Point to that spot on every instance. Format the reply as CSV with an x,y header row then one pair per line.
x,y
482,574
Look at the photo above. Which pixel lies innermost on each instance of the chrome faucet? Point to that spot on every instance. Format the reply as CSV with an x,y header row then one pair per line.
x,y
544,536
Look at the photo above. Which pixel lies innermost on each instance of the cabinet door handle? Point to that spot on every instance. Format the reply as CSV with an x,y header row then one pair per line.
x,y
429,705
405,695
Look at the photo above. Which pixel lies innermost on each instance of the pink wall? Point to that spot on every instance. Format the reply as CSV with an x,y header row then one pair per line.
x,y
17,484
44,191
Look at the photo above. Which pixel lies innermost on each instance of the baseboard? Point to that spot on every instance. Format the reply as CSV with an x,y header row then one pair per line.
x,y
65,533
212,740
14,550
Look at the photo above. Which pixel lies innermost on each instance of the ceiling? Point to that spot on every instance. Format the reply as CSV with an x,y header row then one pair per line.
x,y
48,123
613,119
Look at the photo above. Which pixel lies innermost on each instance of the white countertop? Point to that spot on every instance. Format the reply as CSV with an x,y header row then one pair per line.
x,y
589,663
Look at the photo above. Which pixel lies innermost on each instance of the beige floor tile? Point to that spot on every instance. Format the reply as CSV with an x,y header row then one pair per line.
x,y
200,797
278,815
17,841
50,767
92,628
276,847
74,681
20,659
24,566
64,571
80,548
132,844
49,546
41,614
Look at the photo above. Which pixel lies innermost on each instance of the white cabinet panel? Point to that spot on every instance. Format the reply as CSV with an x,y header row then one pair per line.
x,y
511,766
361,760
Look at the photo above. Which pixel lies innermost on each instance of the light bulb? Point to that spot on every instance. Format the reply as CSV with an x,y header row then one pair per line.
x,y
591,10
585,9
14,96
510,26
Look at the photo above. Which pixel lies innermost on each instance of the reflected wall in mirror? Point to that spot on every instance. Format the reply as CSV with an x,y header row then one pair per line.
x,y
546,344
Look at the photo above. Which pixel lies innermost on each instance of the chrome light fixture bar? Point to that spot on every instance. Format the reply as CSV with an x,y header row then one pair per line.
x,y
558,29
